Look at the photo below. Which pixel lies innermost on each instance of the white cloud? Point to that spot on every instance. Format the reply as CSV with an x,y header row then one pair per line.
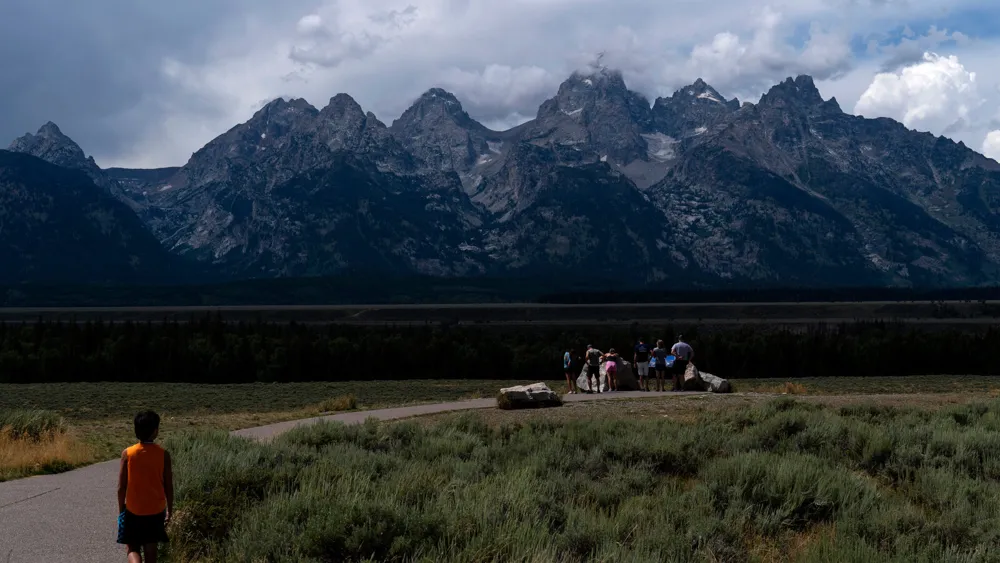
x,y
310,24
991,145
500,58
911,47
937,94
497,88
765,55
507,121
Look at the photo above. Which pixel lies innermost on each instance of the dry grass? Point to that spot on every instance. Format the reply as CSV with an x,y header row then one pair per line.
x,y
338,404
790,388
56,451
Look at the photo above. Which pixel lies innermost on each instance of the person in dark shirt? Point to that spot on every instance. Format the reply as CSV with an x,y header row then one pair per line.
x,y
661,364
640,358
594,368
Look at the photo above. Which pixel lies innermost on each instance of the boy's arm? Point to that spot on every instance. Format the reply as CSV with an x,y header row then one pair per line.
x,y
168,483
122,482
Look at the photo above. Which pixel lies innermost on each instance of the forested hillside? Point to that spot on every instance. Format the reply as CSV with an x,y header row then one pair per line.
x,y
212,351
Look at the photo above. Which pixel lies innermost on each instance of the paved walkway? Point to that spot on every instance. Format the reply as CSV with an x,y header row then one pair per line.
x,y
72,516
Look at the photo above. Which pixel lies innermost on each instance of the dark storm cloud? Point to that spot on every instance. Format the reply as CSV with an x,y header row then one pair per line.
x,y
85,65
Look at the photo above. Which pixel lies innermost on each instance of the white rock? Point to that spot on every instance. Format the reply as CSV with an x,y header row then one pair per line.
x,y
714,383
524,396
626,379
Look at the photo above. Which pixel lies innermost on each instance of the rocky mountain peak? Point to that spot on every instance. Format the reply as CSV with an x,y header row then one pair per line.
x,y
431,108
51,130
343,117
439,95
702,92
800,91
594,111
692,110
600,78
52,145
269,126
438,131
342,105
583,89
284,112
344,125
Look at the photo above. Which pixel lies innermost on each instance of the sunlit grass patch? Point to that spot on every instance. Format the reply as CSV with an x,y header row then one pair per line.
x,y
338,404
34,442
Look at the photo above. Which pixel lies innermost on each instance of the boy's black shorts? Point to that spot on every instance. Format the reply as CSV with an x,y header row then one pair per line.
x,y
593,371
134,530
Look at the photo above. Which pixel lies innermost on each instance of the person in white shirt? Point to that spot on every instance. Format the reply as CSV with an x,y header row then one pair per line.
x,y
684,354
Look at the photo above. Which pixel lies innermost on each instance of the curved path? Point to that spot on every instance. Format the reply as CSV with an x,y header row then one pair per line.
x,y
72,516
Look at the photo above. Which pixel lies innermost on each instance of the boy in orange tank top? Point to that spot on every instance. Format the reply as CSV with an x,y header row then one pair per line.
x,y
145,492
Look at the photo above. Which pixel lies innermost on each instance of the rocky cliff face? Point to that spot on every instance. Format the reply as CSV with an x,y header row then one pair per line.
x,y
595,113
300,191
819,194
693,189
440,133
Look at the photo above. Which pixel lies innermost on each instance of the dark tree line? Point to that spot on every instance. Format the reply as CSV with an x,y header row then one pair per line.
x,y
212,351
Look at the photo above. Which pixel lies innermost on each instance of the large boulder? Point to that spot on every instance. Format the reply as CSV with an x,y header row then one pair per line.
x,y
583,382
692,379
528,396
696,380
626,379
715,384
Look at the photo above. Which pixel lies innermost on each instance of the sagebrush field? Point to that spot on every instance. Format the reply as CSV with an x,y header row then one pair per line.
x,y
780,481
95,419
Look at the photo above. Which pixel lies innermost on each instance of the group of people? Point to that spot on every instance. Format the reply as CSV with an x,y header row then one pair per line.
x,y
655,362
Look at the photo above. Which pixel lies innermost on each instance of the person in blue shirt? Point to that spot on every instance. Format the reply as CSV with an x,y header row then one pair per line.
x,y
652,368
568,369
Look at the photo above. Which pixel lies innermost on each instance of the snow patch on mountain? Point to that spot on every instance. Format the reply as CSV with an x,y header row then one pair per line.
x,y
661,148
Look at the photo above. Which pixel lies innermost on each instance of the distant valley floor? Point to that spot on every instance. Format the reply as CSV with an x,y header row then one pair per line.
x,y
942,313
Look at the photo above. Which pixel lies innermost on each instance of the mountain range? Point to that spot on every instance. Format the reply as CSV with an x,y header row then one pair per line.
x,y
691,190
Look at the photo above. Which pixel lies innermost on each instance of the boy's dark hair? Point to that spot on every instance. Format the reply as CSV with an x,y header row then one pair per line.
x,y
146,424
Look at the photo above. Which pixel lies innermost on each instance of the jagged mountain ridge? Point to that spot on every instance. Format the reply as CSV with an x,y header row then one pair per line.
x,y
690,188
909,220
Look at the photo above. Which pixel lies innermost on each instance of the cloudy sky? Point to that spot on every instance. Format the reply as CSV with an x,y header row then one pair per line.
x,y
141,84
